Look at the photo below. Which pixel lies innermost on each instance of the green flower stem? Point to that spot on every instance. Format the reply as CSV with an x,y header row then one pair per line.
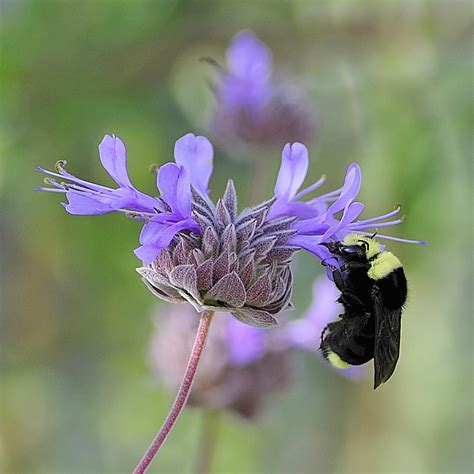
x,y
182,395
207,442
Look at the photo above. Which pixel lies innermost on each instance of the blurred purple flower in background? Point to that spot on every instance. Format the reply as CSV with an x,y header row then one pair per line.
x,y
245,343
250,108
246,83
241,368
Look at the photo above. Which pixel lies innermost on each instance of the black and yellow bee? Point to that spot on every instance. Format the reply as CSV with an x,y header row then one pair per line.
x,y
373,290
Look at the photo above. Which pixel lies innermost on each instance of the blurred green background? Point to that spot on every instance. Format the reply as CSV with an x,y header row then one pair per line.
x,y
392,86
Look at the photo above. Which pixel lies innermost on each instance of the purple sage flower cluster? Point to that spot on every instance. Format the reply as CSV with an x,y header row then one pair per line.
x,y
250,107
210,254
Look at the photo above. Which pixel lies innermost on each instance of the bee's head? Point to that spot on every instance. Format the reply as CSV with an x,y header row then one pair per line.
x,y
360,246
349,252
356,252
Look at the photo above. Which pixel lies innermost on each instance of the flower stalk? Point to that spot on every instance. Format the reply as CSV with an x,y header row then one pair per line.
x,y
182,395
207,442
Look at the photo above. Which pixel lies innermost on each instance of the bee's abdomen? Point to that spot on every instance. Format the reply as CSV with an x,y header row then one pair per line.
x,y
351,340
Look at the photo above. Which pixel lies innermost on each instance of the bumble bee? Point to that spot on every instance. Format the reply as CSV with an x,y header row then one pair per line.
x,y
373,292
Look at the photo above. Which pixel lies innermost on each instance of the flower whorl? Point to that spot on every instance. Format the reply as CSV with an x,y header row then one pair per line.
x,y
239,263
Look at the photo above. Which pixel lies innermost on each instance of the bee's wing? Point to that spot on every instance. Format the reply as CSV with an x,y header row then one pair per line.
x,y
387,340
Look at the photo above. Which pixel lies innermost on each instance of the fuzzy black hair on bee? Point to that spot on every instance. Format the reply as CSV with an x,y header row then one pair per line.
x,y
373,290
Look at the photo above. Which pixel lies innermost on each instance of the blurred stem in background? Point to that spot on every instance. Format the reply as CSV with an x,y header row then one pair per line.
x,y
260,167
207,442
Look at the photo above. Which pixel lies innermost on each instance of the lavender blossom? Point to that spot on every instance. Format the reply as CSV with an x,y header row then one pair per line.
x,y
241,367
210,255
165,216
251,109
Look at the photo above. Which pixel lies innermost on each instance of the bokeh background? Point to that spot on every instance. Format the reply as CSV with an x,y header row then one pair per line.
x,y
391,83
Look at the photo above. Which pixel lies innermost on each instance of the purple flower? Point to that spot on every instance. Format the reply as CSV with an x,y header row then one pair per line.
x,y
245,344
85,198
305,333
330,216
210,255
247,82
164,216
293,169
251,109
195,154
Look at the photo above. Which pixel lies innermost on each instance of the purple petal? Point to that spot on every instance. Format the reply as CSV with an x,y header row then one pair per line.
x,y
173,183
315,226
81,204
113,157
302,210
155,236
246,344
351,212
249,58
147,253
311,243
293,169
126,198
150,232
195,154
349,190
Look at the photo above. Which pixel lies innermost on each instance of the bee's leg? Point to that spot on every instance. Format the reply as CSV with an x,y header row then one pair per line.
x,y
338,279
350,298
330,327
347,296
355,266
325,330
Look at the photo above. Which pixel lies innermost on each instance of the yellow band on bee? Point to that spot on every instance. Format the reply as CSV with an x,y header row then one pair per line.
x,y
336,361
383,265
